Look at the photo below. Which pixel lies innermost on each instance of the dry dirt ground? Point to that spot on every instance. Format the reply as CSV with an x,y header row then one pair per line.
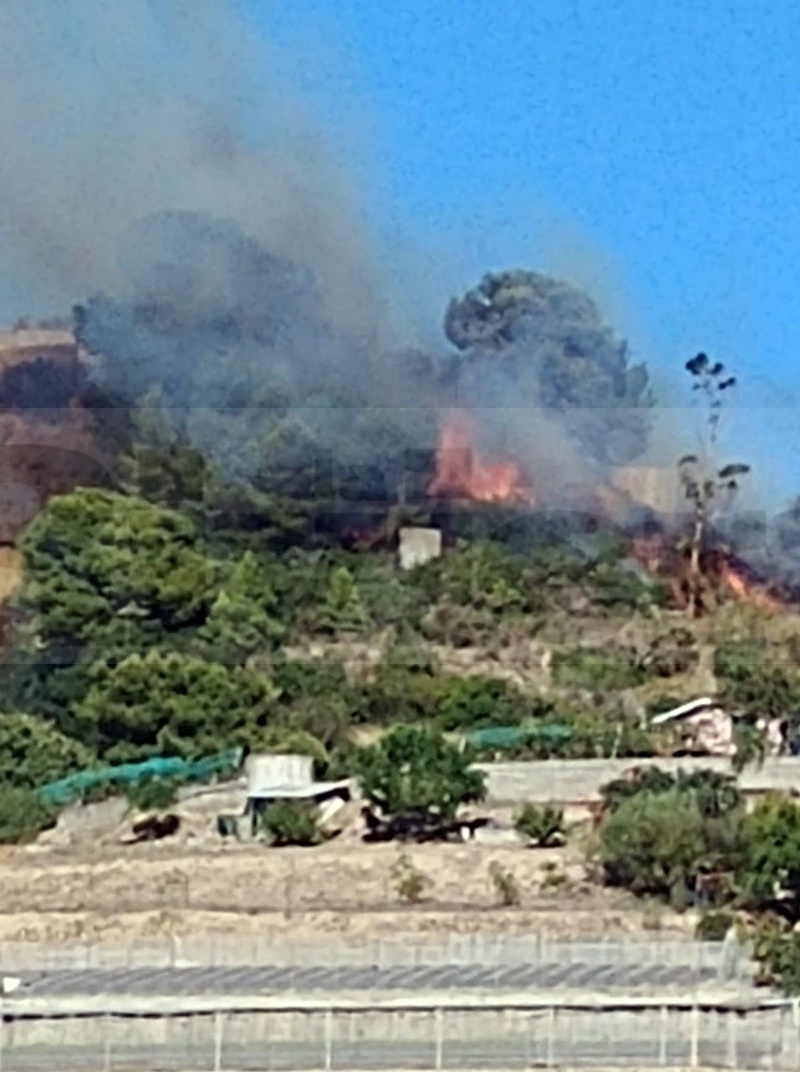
x,y
342,890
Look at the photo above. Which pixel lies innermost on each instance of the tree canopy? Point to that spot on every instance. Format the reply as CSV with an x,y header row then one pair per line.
x,y
414,769
528,336
172,704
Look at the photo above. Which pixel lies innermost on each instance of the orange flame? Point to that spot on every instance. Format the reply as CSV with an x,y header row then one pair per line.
x,y
662,560
462,474
740,587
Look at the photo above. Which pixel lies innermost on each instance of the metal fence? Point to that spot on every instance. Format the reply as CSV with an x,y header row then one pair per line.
x,y
727,958
405,1037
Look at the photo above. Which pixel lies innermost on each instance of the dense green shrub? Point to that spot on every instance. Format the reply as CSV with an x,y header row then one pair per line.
x,y
541,824
33,752
473,702
751,678
292,822
714,925
658,844
597,669
483,577
769,866
23,815
170,704
714,794
314,696
396,696
674,652
776,948
415,770
343,609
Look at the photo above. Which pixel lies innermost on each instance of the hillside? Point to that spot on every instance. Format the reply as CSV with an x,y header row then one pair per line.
x,y
47,436
134,606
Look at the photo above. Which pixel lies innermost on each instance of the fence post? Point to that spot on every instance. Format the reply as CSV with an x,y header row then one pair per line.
x,y
732,1039
439,1027
795,1036
551,1035
663,1036
694,1052
219,1023
328,1039
107,1060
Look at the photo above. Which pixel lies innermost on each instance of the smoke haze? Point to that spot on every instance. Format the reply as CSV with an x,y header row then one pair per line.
x,y
156,171
112,112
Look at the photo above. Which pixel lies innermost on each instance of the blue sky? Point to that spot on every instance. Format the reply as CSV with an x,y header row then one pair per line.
x,y
649,151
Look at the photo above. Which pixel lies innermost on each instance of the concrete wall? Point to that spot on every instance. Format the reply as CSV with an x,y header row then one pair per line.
x,y
574,780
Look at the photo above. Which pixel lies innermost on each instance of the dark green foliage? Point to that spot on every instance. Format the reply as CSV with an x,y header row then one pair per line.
x,y
483,577
343,609
770,863
161,464
661,835
541,336
714,925
399,696
777,949
541,824
118,572
659,843
635,783
674,652
470,593
415,770
33,752
472,702
598,669
751,678
662,839
714,794
241,619
315,697
109,577
292,822
171,704
603,732
102,565
337,592
23,816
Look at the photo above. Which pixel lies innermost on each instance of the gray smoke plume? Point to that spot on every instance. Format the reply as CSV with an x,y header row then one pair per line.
x,y
157,173
112,112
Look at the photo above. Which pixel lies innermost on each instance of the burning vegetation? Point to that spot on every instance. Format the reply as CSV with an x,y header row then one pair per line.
x,y
461,472
238,361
